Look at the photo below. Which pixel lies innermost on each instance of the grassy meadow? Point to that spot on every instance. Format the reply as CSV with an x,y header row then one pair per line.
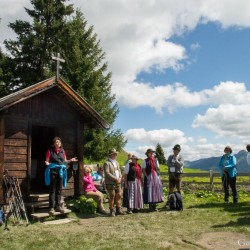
x,y
204,214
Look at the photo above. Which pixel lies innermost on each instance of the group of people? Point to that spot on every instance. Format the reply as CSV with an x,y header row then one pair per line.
x,y
132,180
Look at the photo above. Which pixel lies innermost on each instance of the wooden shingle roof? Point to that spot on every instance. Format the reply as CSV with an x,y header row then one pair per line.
x,y
94,120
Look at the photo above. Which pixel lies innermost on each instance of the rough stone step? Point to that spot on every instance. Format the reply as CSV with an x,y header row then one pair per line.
x,y
59,221
45,213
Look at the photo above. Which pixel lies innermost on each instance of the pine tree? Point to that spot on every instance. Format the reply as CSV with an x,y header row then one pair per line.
x,y
86,71
7,68
57,28
160,154
37,41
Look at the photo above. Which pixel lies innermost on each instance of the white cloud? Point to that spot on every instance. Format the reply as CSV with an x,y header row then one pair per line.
x,y
226,120
10,11
226,12
159,97
227,92
202,140
207,150
177,95
165,137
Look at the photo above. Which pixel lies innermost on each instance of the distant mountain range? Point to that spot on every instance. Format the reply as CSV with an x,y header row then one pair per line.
x,y
212,163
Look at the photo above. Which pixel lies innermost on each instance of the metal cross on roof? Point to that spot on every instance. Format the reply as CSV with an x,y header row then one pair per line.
x,y
58,60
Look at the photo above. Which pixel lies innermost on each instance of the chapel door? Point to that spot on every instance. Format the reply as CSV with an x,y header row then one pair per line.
x,y
42,137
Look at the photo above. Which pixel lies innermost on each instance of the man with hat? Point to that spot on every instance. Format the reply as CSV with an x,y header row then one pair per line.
x,y
175,164
113,178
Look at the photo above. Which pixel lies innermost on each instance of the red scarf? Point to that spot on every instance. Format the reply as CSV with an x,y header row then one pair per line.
x,y
152,163
138,171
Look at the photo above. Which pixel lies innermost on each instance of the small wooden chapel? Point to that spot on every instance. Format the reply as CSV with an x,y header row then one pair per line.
x,y
30,119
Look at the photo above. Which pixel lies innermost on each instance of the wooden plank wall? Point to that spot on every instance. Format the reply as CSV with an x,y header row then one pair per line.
x,y
15,149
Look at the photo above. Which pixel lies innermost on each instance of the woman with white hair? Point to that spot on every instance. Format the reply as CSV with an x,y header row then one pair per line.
x,y
91,191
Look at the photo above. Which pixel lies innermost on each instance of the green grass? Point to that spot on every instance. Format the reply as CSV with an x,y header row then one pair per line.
x,y
204,212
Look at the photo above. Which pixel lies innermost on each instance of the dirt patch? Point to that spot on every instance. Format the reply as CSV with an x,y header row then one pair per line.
x,y
224,240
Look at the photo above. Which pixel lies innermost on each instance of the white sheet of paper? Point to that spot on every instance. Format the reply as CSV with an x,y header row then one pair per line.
x,y
172,169
117,173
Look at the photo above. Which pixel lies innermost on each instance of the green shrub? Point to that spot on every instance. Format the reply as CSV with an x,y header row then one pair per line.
x,y
84,205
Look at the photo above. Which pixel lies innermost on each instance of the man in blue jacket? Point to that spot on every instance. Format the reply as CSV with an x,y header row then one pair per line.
x,y
228,171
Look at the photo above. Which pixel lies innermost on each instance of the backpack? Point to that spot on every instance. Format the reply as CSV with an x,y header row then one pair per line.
x,y
175,201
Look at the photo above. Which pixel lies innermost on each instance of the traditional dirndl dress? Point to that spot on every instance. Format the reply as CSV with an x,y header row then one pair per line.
x,y
153,190
134,195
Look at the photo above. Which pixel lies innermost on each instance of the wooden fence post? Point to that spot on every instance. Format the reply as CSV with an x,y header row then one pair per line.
x,y
211,180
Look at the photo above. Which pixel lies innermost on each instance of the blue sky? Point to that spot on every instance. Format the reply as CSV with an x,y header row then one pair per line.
x,y
181,70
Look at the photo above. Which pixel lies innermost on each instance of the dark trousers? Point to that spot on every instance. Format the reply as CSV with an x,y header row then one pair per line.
x,y
229,181
55,190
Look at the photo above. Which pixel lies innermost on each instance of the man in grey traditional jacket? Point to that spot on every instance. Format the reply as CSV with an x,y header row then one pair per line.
x,y
175,169
113,179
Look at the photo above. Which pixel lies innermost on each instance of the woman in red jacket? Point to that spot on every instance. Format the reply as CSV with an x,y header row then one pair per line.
x,y
91,191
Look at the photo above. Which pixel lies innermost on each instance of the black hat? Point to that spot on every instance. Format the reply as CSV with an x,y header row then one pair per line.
x,y
149,151
177,147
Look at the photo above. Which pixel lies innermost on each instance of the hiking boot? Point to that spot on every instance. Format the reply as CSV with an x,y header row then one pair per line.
x,y
129,211
167,206
102,211
136,210
51,211
59,209
112,213
235,200
154,208
119,211
151,208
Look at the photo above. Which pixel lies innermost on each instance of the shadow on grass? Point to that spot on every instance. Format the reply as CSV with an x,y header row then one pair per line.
x,y
98,215
90,216
240,210
241,222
